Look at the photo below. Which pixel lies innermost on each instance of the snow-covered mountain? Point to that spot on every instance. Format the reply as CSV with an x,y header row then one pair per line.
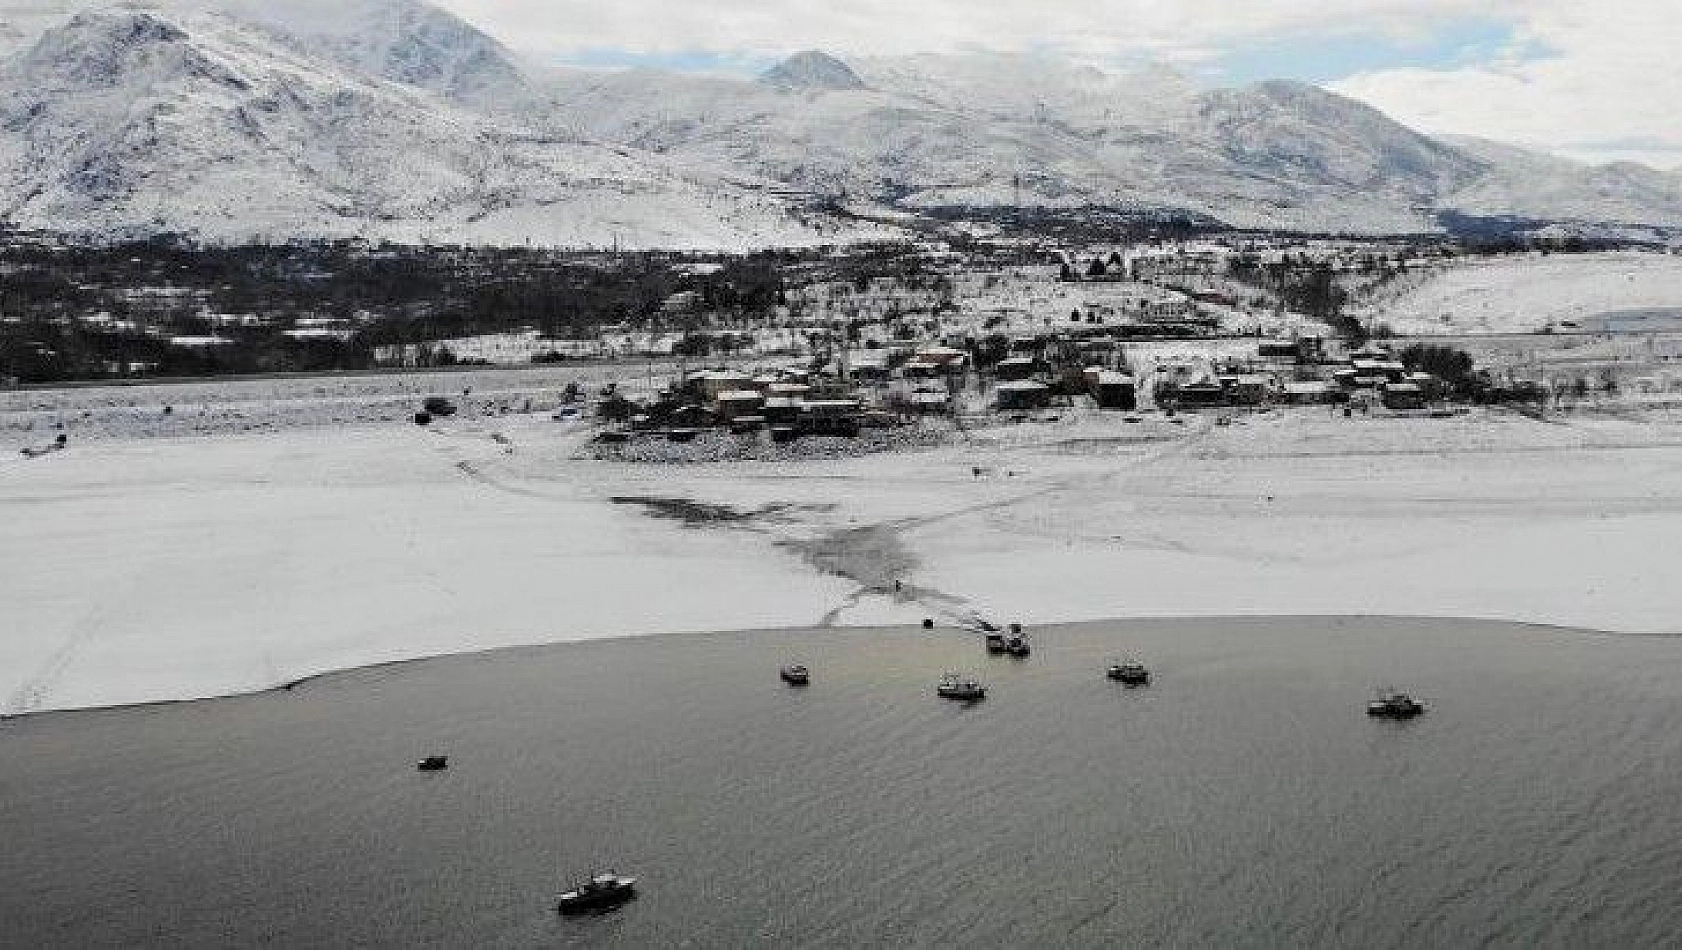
x,y
139,122
405,41
1527,184
992,129
394,119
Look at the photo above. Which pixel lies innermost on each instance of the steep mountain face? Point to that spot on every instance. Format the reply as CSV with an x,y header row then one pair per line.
x,y
125,123
1303,132
405,41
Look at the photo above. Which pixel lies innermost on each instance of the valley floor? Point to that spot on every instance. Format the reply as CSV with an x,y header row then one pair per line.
x,y
140,569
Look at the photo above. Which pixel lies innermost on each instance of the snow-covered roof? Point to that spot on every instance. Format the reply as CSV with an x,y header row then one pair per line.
x,y
1305,387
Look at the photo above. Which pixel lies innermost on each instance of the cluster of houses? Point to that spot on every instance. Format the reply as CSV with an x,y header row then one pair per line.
x,y
786,400
1108,389
1372,371
1297,373
1035,373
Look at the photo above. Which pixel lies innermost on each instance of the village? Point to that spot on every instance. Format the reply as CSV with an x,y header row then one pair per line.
x,y
1151,331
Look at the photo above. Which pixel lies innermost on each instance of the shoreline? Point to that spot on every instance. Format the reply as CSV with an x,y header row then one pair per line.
x,y
364,545
331,676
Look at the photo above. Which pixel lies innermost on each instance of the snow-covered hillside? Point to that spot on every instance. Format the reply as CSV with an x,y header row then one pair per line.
x,y
1530,184
990,129
406,41
1523,294
394,119
130,122
962,131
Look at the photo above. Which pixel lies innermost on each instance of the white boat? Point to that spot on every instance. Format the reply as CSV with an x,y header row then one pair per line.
x,y
960,688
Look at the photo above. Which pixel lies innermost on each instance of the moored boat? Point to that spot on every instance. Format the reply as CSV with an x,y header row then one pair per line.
x,y
796,675
1132,674
996,644
958,687
1392,704
600,892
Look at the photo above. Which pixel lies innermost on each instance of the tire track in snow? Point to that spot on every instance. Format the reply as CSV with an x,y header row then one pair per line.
x,y
32,694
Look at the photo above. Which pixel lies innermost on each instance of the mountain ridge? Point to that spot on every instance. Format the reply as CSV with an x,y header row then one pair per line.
x,y
132,123
394,119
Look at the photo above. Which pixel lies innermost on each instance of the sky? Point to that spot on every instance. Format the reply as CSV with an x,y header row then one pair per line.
x,y
1592,79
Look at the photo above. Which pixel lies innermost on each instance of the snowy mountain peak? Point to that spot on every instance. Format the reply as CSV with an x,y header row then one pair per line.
x,y
103,50
406,41
812,69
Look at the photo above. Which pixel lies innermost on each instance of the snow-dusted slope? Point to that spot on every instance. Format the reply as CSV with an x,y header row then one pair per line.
x,y
139,122
1530,184
1525,294
406,41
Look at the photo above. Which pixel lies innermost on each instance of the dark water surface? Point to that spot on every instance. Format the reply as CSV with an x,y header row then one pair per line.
x,y
1242,800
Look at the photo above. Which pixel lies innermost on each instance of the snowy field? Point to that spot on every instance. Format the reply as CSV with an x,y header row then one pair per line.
x,y
170,568
201,408
1526,293
138,569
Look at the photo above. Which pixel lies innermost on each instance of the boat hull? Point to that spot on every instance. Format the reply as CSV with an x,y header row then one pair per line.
x,y
1387,713
576,902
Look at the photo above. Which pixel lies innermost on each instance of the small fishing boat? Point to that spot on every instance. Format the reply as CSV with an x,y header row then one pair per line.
x,y
1132,674
961,688
600,892
796,675
433,763
1391,704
